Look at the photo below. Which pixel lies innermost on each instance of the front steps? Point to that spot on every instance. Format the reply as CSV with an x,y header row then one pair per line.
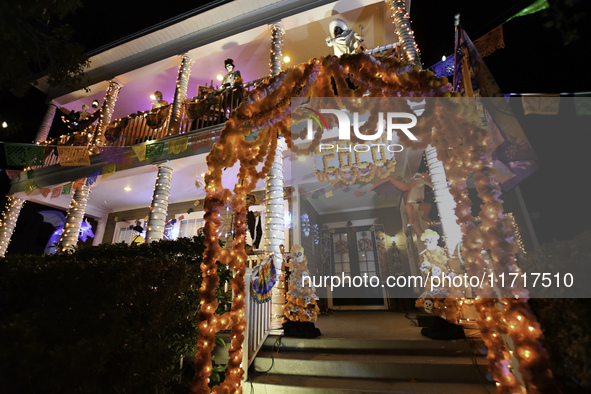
x,y
345,365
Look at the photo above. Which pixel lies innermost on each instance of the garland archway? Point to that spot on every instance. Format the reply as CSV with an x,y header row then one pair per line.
x,y
267,112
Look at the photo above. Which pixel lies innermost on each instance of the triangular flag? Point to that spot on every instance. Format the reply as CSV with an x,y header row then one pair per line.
x,y
536,6
154,150
328,194
111,154
140,151
73,156
91,180
12,174
541,104
24,154
109,170
44,191
78,183
178,146
67,188
490,42
30,174
55,193
127,160
30,186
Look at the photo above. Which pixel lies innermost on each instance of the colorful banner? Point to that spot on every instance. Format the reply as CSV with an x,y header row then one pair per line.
x,y
67,189
24,154
513,155
111,154
490,42
44,191
140,151
127,161
109,170
154,150
91,179
178,146
536,6
547,104
73,156
55,193
30,187
13,174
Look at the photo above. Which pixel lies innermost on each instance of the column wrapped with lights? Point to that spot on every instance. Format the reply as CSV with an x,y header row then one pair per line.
x,y
45,126
74,219
180,94
452,233
406,39
276,47
159,207
274,230
106,112
9,218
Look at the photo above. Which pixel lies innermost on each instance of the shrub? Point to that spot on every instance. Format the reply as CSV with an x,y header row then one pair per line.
x,y
565,321
107,318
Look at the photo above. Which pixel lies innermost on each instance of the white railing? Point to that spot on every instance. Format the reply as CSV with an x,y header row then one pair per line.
x,y
258,324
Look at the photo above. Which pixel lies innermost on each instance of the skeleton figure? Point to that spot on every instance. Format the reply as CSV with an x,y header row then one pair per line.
x,y
342,39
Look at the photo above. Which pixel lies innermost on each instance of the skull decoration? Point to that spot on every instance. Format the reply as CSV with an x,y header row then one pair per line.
x,y
428,306
298,253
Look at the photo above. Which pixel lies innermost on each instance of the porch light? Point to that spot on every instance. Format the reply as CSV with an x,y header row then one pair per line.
x,y
443,58
220,77
127,188
152,97
286,59
4,125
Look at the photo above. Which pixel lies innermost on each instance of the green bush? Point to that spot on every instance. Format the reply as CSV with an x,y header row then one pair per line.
x,y
104,319
565,321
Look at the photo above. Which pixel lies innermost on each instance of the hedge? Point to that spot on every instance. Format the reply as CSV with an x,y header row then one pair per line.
x,y
104,319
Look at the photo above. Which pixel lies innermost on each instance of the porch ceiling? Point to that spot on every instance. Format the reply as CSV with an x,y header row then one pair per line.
x,y
140,67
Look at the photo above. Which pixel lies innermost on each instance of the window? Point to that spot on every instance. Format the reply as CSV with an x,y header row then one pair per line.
x,y
124,232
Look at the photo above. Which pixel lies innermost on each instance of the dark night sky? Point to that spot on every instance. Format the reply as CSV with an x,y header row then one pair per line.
x,y
534,60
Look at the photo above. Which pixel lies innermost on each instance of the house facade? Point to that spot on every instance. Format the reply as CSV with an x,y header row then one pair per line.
x,y
143,169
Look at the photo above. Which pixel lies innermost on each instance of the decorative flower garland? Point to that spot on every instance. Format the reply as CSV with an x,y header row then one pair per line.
x,y
268,112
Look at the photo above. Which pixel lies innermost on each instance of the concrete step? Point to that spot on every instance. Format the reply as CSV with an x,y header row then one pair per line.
x,y
290,384
460,347
373,366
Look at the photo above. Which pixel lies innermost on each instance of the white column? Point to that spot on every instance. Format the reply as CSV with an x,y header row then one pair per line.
x,y
106,112
99,234
180,94
410,51
74,218
45,126
277,32
274,230
452,232
8,223
159,207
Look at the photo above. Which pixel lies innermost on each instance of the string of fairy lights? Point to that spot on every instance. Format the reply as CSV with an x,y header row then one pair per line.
x,y
182,86
159,206
74,218
9,217
106,113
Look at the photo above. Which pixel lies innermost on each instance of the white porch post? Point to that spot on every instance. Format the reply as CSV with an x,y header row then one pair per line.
x,y
452,232
106,112
8,223
100,231
406,39
274,231
74,218
274,226
277,32
180,94
45,126
159,207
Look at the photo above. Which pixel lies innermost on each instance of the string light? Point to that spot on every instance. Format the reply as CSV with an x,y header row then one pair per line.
x,y
180,94
106,113
8,223
159,207
74,218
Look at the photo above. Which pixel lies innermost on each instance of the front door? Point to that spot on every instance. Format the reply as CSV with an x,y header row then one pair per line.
x,y
354,255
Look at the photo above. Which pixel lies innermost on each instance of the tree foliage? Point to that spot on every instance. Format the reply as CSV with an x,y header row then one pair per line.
x,y
35,41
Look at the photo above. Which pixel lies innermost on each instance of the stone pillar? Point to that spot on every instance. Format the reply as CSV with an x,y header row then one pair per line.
x,y
159,207
45,126
74,219
277,32
406,39
180,94
8,223
106,112
452,232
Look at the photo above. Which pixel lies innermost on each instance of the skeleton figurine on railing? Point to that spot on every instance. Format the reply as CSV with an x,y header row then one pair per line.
x,y
342,39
